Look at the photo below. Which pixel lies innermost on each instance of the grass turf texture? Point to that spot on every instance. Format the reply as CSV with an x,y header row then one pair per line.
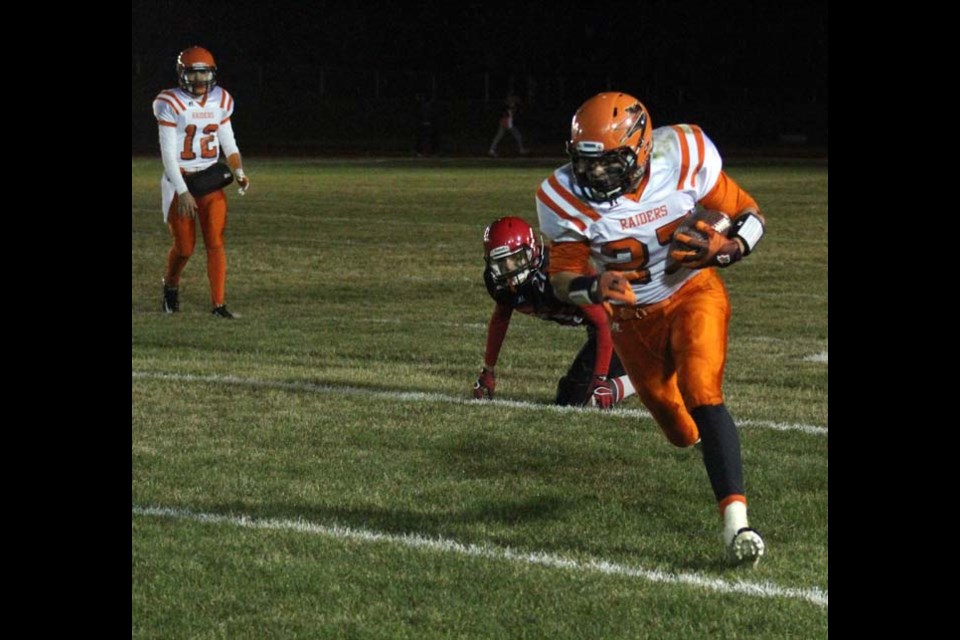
x,y
359,282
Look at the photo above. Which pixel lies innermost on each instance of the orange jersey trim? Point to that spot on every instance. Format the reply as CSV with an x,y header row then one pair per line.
x,y
225,121
727,196
684,156
175,98
570,256
166,124
572,199
173,106
698,137
542,197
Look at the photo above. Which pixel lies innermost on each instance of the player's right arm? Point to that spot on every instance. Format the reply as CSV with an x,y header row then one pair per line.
x,y
568,261
165,111
486,381
566,220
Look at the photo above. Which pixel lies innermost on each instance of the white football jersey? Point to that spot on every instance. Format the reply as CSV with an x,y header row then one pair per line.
x,y
631,235
197,122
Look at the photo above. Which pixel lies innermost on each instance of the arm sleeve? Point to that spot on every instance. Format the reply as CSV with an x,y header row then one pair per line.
x,y
228,143
596,316
496,332
729,197
570,256
168,153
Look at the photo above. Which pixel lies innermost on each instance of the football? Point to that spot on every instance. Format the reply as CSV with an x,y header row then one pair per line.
x,y
716,219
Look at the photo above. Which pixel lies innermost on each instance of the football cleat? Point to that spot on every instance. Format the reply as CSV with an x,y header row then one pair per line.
x,y
171,298
222,312
746,547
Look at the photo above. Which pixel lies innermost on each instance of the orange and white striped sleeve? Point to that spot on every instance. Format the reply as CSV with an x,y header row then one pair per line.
x,y
226,106
697,161
167,108
564,219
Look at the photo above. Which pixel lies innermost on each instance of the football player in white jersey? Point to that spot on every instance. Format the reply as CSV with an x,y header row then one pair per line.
x,y
194,125
618,205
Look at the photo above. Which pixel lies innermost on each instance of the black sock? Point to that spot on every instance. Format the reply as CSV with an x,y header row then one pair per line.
x,y
721,449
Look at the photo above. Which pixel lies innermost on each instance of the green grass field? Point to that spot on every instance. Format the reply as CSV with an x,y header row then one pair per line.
x,y
314,469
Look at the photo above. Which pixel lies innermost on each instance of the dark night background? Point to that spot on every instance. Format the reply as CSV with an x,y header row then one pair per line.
x,y
332,78
341,77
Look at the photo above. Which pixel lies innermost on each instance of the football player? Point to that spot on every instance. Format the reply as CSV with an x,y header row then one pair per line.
x,y
617,206
194,125
515,279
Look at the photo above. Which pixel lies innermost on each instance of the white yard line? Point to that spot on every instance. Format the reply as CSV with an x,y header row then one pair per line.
x,y
420,396
818,357
746,587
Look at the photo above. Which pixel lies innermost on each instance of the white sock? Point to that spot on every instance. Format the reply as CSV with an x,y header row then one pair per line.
x,y
734,519
624,387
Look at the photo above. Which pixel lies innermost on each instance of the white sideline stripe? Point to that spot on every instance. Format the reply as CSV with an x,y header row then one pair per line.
x,y
761,589
420,396
817,357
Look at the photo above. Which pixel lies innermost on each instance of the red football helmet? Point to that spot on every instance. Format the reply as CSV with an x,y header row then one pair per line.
x,y
196,71
611,139
511,250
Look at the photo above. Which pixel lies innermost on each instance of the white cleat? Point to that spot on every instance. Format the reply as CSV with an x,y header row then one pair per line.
x,y
746,547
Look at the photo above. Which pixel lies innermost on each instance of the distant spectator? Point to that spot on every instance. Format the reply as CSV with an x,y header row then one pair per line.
x,y
511,106
426,127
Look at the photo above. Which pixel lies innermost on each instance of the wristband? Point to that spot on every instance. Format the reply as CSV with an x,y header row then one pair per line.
x,y
749,228
583,291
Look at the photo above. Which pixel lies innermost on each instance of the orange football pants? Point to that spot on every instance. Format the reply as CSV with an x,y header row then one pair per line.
x,y
212,214
675,355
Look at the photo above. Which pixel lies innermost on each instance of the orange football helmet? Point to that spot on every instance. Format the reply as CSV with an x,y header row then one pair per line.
x,y
611,139
196,71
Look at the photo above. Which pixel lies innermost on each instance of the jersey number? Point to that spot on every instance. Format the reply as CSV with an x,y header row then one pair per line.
x,y
205,151
630,254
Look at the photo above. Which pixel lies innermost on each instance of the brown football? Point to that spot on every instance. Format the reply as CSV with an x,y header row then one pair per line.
x,y
716,219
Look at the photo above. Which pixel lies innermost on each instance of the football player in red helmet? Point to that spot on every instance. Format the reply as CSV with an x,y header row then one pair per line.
x,y
515,280
194,124
617,207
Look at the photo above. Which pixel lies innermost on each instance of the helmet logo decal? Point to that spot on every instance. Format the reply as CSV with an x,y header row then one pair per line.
x,y
640,124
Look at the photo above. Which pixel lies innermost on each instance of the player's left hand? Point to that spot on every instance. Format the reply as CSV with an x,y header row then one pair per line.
x,y
602,393
243,182
485,385
708,248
